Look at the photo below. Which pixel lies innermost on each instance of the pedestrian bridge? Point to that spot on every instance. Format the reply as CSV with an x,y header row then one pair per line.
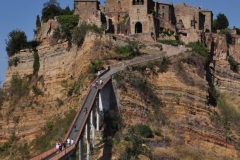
x,y
96,98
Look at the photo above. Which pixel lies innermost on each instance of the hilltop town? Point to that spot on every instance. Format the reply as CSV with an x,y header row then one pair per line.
x,y
149,99
146,17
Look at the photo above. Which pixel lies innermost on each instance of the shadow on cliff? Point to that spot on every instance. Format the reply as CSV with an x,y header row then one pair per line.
x,y
212,99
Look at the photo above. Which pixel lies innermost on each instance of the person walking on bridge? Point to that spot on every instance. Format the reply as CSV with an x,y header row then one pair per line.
x,y
72,141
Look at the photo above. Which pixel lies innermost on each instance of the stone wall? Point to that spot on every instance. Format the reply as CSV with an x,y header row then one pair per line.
x,y
88,11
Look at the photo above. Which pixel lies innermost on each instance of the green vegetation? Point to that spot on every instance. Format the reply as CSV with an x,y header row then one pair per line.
x,y
221,22
17,40
38,22
52,8
36,63
233,64
55,130
13,61
79,33
95,65
181,23
171,42
144,130
238,31
18,88
198,48
161,64
73,87
124,19
128,51
168,33
132,144
227,34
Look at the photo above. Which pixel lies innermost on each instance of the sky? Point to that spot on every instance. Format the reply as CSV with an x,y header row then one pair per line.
x,y
21,14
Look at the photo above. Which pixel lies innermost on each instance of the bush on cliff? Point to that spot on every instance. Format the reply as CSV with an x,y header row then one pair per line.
x,y
17,40
128,51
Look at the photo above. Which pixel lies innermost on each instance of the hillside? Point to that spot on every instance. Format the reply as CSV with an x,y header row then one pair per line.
x,y
190,102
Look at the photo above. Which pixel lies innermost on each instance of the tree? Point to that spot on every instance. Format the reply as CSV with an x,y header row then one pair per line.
x,y
50,10
38,22
221,21
17,40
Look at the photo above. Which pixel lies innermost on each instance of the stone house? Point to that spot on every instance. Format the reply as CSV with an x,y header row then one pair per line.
x,y
131,17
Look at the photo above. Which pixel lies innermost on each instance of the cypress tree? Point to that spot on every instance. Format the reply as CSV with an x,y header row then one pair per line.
x,y
38,22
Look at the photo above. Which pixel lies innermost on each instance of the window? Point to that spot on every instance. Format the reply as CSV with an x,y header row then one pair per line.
x,y
163,7
138,10
119,2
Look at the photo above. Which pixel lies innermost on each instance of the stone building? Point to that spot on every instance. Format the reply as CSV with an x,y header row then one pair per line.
x,y
193,17
89,11
131,17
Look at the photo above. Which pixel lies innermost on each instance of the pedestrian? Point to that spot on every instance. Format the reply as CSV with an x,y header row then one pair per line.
x,y
60,147
72,141
68,142
64,145
57,147
99,73
100,82
75,126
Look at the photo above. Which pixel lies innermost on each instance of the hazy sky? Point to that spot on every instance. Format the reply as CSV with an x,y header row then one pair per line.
x,y
21,14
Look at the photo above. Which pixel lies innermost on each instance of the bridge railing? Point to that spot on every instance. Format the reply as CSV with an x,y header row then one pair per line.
x,y
74,146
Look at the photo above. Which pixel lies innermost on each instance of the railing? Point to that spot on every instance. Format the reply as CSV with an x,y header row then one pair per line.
x,y
72,147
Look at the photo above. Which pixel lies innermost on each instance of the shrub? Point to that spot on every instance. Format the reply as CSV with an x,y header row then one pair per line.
x,y
238,31
128,51
145,131
55,130
13,61
17,40
95,65
36,63
124,19
233,64
50,10
198,48
18,87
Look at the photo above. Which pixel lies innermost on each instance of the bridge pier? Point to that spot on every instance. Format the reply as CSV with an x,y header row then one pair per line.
x,y
73,156
98,115
93,126
81,152
88,138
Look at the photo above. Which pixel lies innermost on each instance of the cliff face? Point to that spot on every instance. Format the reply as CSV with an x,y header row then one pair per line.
x,y
185,114
57,64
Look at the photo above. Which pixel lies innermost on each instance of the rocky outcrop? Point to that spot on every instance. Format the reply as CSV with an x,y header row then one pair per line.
x,y
46,30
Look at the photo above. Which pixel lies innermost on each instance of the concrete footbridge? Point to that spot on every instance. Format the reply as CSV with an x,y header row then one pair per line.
x,y
87,119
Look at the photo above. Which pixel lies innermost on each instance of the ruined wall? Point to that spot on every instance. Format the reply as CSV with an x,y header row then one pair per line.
x,y
187,14
88,11
208,20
